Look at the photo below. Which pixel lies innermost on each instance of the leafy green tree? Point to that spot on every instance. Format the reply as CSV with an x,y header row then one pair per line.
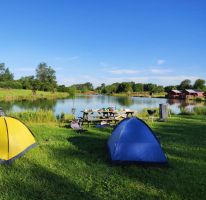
x,y
199,84
185,84
72,91
159,89
124,87
169,88
26,82
138,87
150,87
47,76
5,74
84,87
61,88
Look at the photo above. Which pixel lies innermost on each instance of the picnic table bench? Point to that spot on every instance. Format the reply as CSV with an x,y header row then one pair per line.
x,y
107,116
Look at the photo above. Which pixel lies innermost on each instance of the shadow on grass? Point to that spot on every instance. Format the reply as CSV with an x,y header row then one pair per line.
x,y
42,183
184,172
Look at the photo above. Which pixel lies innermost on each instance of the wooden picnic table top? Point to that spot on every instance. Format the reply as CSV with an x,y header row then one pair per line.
x,y
108,111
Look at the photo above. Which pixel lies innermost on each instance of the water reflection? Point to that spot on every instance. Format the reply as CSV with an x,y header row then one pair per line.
x,y
76,105
125,101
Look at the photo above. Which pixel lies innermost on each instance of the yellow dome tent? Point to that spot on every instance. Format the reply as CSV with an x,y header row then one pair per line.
x,y
15,139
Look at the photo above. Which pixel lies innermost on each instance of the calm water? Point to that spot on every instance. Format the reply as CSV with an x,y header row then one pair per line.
x,y
96,102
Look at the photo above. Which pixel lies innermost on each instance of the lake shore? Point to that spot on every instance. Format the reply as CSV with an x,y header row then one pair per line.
x,y
76,166
20,94
141,94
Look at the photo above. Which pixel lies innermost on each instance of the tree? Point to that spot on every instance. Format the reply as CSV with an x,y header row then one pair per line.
x,y
199,84
186,84
26,82
47,76
72,91
138,87
124,87
150,87
169,88
5,74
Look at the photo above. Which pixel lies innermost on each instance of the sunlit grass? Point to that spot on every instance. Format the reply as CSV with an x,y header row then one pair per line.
x,y
20,94
67,165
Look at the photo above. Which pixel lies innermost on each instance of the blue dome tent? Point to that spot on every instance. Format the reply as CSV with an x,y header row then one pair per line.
x,y
133,141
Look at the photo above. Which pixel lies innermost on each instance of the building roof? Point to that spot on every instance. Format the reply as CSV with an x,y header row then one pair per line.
x,y
176,91
190,91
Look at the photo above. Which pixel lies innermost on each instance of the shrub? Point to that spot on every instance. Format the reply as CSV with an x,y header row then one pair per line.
x,y
63,118
144,112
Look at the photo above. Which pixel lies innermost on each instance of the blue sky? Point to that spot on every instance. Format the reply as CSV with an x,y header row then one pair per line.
x,y
161,41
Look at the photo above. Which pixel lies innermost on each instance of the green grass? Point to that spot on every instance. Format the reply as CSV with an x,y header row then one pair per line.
x,y
140,94
199,110
20,94
67,165
35,116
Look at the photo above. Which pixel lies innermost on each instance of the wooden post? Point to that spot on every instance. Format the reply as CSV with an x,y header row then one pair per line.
x,y
163,112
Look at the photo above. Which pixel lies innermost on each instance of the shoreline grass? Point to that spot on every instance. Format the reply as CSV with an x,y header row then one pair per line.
x,y
20,94
140,94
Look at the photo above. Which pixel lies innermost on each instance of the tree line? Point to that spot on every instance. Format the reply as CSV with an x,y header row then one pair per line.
x,y
128,87
45,80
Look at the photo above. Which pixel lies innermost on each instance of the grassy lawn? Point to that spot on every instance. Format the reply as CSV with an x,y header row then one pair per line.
x,y
67,165
20,94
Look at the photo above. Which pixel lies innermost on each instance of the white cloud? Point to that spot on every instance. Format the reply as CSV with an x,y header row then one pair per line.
x,y
174,79
160,70
123,71
161,61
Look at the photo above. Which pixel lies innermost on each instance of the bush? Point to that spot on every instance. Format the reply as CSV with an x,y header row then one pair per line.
x,y
11,84
144,112
65,118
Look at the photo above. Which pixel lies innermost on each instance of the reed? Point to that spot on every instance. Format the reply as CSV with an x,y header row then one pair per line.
x,y
199,110
39,116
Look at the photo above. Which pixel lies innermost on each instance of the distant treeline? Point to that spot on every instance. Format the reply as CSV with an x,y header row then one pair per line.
x,y
45,80
128,87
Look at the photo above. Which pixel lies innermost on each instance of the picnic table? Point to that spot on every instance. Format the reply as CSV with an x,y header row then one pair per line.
x,y
106,115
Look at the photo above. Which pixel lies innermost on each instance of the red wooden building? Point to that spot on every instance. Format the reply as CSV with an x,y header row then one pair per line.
x,y
174,94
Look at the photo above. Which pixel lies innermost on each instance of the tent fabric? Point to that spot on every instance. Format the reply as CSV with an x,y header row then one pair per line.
x,y
133,141
15,139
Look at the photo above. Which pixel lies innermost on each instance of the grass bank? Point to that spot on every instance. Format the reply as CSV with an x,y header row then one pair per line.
x,y
67,165
20,94
141,94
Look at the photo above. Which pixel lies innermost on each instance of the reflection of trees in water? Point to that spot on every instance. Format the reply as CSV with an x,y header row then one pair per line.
x,y
183,103
30,105
125,101
6,105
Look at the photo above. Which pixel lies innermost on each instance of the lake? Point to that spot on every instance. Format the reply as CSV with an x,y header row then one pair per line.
x,y
97,101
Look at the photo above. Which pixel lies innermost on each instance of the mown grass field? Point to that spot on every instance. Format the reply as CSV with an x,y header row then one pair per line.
x,y
20,94
67,165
